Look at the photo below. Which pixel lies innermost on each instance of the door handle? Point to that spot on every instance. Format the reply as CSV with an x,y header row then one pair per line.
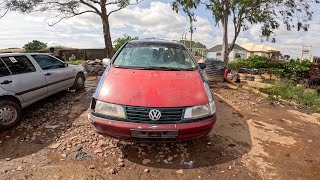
x,y
47,74
6,82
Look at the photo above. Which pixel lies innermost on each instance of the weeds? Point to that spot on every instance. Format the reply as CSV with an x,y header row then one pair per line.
x,y
297,93
76,62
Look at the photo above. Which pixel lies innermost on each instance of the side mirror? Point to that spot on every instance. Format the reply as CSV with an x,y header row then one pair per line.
x,y
202,65
66,64
106,61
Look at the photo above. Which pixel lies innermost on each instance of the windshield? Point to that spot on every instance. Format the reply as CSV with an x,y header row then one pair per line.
x,y
163,56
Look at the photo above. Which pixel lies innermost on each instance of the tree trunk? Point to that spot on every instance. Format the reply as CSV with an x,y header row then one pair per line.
x,y
106,29
225,48
225,51
107,37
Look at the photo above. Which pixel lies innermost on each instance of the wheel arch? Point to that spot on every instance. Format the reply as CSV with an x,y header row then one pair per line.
x,y
11,98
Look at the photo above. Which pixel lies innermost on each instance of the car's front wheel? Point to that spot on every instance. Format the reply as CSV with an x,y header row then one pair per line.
x,y
79,82
10,114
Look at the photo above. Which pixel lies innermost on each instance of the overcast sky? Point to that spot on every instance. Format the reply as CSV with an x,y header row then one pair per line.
x,y
148,19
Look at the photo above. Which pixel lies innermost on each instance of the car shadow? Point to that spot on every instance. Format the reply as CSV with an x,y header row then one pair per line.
x,y
229,140
45,121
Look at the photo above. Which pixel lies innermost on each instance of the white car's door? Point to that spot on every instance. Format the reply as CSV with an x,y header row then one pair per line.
x,y
24,79
57,74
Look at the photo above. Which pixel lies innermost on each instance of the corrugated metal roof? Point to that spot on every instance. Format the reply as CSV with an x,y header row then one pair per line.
x,y
259,48
218,48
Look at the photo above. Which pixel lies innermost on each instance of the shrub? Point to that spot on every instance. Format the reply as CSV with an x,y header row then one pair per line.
x,y
296,70
314,77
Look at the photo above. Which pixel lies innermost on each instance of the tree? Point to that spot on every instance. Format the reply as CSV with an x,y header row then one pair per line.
x,y
17,5
64,9
34,45
120,41
293,13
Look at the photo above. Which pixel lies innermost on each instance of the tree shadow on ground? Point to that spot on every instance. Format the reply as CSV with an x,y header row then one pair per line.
x,y
229,140
44,121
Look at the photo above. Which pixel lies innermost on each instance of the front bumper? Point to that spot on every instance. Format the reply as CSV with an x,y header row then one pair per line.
x,y
122,129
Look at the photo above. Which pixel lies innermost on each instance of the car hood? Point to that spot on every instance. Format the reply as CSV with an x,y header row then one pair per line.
x,y
152,88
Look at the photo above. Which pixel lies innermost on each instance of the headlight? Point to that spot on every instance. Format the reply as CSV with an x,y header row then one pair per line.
x,y
200,111
108,109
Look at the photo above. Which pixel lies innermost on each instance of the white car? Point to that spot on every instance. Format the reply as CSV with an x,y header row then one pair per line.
x,y
26,78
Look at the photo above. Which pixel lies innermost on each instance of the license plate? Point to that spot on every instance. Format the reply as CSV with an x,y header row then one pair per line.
x,y
154,133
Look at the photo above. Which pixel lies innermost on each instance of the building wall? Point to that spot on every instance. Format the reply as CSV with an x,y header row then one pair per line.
x,y
85,54
232,55
242,53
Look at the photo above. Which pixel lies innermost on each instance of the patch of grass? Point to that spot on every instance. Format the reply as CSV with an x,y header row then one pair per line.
x,y
76,62
298,93
269,81
250,91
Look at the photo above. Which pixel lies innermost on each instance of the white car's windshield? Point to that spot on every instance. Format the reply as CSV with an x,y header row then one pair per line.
x,y
163,56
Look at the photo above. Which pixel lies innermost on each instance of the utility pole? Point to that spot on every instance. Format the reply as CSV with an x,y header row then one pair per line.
x,y
191,32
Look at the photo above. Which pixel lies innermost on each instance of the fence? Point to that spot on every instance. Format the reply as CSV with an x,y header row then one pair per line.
x,y
84,54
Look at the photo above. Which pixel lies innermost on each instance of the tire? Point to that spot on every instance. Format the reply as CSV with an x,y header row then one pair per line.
x,y
79,82
10,114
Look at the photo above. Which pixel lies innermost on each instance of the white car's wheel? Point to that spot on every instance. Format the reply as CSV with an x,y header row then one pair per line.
x,y
79,82
10,114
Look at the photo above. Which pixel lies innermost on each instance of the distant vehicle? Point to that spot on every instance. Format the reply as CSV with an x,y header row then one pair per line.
x,y
153,90
26,78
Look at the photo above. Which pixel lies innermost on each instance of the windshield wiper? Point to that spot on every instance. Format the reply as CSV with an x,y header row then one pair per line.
x,y
130,67
156,68
169,68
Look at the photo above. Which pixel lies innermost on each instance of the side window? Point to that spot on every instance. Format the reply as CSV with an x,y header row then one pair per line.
x,y
3,69
48,62
19,64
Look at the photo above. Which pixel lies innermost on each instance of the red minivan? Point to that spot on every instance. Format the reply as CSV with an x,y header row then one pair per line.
x,y
153,90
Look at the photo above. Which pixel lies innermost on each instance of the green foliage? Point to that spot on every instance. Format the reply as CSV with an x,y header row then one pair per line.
x,y
298,93
253,62
34,45
295,70
73,60
120,41
76,62
23,6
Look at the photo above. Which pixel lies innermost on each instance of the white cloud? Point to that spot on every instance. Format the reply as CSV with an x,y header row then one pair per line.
x,y
154,20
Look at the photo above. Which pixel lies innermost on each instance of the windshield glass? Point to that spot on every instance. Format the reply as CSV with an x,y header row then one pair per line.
x,y
164,56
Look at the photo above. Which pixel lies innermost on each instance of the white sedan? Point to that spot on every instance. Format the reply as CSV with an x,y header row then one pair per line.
x,y
26,78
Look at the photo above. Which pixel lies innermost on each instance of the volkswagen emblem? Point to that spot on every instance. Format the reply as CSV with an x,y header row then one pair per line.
x,y
154,114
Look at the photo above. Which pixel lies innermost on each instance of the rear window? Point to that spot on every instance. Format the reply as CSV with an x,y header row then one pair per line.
x,y
19,64
3,69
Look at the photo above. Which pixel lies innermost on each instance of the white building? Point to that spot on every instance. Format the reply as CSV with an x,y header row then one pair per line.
x,y
216,52
261,50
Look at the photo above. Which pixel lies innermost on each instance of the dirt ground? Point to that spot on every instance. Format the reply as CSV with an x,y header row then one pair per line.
x,y
252,139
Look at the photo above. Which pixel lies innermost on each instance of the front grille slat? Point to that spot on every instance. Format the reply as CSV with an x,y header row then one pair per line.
x,y
141,114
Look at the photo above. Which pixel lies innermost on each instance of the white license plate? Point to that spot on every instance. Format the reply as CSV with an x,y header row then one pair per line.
x,y
154,133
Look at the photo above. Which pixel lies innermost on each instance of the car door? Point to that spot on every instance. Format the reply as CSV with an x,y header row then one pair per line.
x,y
24,79
57,74
5,75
